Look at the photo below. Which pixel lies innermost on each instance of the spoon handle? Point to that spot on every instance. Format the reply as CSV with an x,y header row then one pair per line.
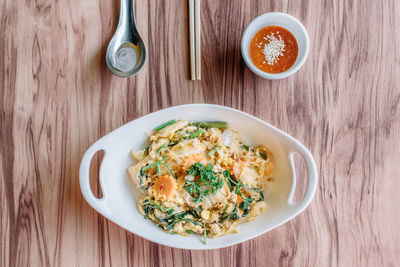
x,y
127,19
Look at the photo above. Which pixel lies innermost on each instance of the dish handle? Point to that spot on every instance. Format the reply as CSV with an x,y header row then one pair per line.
x,y
98,204
312,175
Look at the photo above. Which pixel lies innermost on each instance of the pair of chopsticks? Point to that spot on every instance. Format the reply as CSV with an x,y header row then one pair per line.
x,y
195,39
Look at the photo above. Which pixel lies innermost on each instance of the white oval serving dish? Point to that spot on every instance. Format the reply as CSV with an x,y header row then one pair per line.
x,y
120,194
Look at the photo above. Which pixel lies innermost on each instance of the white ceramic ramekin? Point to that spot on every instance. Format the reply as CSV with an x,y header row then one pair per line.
x,y
285,21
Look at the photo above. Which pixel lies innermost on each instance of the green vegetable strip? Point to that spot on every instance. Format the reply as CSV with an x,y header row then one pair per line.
x,y
227,175
245,203
230,181
196,133
260,193
162,126
167,210
264,157
169,169
158,168
211,124
234,215
205,234
238,186
212,151
176,215
172,219
161,147
153,164
256,190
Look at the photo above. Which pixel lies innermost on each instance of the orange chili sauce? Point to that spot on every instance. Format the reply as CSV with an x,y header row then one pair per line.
x,y
284,62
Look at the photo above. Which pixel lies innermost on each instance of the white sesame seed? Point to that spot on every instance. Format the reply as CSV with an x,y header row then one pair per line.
x,y
273,49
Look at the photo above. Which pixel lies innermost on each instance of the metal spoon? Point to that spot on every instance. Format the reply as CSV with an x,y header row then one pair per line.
x,y
126,52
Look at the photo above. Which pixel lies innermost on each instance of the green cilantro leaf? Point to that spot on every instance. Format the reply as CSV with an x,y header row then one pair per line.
x,y
206,181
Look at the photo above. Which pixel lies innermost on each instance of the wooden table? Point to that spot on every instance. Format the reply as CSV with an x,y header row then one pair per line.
x,y
57,97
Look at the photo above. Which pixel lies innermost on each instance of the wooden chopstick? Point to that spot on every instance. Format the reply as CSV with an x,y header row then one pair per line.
x,y
192,40
198,38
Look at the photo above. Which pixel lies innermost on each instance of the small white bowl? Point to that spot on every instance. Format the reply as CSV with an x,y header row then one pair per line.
x,y
279,19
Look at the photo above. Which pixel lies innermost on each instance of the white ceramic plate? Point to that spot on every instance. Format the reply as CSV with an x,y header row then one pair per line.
x,y
120,194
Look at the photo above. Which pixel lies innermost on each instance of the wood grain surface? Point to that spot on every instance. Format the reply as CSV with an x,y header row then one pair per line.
x,y
57,97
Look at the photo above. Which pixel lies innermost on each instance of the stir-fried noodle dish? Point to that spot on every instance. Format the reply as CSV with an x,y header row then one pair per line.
x,y
200,178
